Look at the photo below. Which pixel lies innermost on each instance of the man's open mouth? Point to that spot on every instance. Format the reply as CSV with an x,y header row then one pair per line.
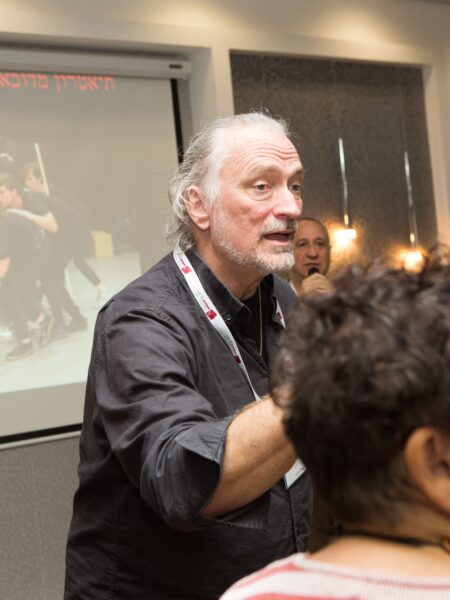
x,y
280,236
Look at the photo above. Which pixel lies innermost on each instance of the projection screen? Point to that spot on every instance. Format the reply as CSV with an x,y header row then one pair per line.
x,y
105,147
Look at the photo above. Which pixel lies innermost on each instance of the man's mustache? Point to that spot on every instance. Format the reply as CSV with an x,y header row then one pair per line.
x,y
279,226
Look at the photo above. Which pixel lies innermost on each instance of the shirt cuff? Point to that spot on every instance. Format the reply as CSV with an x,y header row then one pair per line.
x,y
207,441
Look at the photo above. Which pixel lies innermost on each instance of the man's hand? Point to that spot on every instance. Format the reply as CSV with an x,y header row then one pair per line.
x,y
316,284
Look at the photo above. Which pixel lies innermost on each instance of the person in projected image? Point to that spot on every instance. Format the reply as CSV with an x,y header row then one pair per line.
x,y
72,238
25,258
312,257
5,326
363,378
33,206
187,481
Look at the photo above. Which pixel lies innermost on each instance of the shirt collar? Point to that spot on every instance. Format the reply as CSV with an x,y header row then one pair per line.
x,y
230,307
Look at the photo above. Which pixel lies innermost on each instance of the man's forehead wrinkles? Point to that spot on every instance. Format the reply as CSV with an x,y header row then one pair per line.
x,y
256,166
269,150
252,156
268,161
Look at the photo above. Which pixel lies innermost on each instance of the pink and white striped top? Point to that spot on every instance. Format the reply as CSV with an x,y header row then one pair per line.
x,y
296,578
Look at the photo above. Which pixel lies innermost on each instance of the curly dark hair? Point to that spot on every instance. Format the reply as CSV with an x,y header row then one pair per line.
x,y
365,366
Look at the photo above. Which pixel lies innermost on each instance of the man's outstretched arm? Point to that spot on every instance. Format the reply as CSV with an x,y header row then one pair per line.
x,y
257,455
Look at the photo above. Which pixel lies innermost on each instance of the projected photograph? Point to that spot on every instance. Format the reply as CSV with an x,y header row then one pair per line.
x,y
59,263
82,212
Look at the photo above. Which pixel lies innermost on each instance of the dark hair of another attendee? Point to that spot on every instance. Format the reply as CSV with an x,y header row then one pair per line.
x,y
365,366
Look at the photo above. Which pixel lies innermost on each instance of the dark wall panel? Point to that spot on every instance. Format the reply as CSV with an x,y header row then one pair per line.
x,y
368,108
378,111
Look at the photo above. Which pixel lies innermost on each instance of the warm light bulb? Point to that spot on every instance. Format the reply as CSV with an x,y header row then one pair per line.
x,y
343,236
413,260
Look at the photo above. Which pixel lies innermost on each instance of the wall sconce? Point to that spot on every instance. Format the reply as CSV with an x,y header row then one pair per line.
x,y
342,237
348,233
413,236
413,258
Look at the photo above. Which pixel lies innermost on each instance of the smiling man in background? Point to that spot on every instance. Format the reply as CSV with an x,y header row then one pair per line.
x,y
187,481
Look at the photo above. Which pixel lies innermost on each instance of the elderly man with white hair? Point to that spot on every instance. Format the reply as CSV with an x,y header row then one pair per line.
x,y
187,480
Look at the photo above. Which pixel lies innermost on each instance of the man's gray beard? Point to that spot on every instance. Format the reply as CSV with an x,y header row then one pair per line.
x,y
281,260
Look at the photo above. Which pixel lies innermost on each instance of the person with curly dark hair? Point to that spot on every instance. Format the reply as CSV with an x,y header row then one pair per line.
x,y
364,381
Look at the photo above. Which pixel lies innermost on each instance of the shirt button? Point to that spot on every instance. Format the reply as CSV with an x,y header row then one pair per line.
x,y
228,318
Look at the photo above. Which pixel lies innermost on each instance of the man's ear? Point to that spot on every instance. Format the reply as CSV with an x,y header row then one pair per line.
x,y
427,459
194,200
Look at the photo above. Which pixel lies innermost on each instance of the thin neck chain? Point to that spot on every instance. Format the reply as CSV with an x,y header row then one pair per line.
x,y
260,322
443,543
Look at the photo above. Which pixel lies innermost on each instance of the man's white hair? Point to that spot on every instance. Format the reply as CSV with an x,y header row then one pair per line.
x,y
202,163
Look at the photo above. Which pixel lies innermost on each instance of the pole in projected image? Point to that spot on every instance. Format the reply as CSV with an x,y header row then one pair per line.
x,y
42,169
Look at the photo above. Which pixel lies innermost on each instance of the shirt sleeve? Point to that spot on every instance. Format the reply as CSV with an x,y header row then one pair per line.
x,y
164,433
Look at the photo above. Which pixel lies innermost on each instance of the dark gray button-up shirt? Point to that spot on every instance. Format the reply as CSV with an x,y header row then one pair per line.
x,y
161,392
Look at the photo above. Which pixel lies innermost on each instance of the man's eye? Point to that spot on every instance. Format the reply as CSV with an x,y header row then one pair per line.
x,y
296,188
261,187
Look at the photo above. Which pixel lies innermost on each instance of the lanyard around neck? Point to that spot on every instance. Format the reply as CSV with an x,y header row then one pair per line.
x,y
216,320
211,312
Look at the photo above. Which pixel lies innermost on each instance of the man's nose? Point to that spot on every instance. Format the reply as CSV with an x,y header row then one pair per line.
x,y
288,205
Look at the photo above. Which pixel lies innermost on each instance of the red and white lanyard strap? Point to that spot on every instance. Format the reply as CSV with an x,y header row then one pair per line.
x,y
216,320
210,311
